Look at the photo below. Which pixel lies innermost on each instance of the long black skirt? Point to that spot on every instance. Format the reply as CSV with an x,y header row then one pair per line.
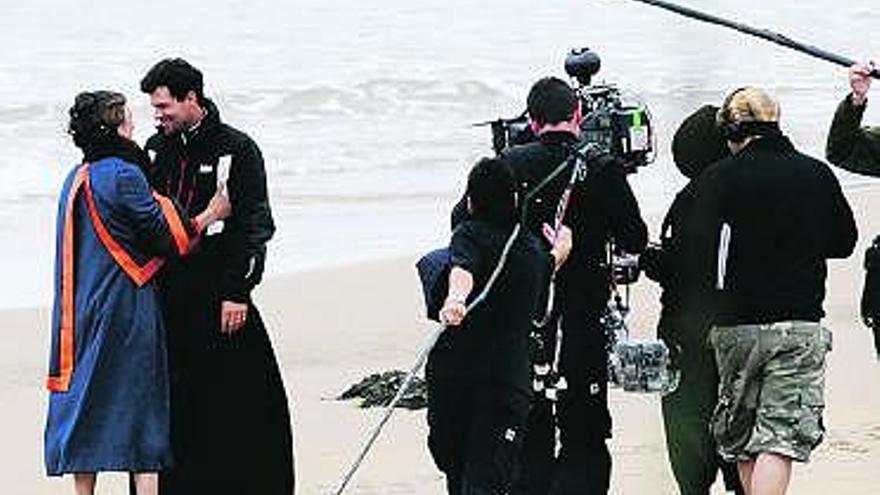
x,y
230,424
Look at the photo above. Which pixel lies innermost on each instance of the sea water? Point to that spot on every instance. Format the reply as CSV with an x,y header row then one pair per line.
x,y
364,110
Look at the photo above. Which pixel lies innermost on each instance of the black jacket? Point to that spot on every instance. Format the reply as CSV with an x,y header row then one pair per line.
x,y
785,215
664,265
492,344
185,168
602,207
851,146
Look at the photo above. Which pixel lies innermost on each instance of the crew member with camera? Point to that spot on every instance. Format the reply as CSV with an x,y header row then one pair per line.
x,y
599,208
683,325
764,223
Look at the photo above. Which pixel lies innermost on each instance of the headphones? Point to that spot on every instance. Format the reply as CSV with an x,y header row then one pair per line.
x,y
732,129
736,128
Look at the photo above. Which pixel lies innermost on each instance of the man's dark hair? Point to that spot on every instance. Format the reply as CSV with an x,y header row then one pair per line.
x,y
491,188
551,100
178,76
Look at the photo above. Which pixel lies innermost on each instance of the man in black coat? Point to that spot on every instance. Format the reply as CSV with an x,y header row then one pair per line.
x,y
600,208
230,425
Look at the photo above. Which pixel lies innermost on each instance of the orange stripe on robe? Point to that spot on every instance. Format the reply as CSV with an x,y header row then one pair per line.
x,y
140,275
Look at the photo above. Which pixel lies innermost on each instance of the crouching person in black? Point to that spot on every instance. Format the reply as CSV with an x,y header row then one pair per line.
x,y
478,372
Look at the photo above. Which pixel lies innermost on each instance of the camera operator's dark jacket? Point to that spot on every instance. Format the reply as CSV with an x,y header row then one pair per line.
x,y
850,146
186,168
602,206
786,216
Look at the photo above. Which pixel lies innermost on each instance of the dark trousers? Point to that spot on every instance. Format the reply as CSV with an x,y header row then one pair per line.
x,y
475,434
686,415
581,415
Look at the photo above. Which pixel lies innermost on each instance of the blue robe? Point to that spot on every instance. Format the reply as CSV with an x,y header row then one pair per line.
x,y
108,376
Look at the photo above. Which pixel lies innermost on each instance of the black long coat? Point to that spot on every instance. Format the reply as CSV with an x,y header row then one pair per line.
x,y
230,425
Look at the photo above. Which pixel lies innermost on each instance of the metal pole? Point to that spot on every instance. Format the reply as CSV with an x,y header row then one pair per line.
x,y
764,34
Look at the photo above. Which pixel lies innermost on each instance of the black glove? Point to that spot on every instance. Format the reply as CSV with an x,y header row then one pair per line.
x,y
652,261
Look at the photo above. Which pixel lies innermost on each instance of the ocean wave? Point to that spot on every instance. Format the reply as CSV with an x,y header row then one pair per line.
x,y
12,115
369,98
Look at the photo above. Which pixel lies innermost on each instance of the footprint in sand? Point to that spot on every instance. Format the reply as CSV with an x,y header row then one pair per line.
x,y
854,446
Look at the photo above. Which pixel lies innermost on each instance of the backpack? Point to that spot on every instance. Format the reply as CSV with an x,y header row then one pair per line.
x,y
433,269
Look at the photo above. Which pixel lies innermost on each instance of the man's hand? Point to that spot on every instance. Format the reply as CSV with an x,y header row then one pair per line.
x,y
453,312
218,208
860,82
561,241
232,316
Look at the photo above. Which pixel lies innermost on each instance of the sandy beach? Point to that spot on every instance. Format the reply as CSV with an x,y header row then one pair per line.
x,y
333,326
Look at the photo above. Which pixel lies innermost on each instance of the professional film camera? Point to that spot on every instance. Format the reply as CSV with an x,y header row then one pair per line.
x,y
620,125
618,122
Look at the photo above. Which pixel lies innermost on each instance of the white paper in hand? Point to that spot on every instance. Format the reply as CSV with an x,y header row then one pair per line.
x,y
223,166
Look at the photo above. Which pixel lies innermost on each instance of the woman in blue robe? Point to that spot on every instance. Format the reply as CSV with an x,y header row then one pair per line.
x,y
108,377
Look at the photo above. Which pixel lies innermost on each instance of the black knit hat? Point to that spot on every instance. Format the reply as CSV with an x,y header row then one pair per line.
x,y
698,142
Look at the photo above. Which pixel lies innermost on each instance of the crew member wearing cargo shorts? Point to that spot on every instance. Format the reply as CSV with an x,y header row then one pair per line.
x,y
765,221
771,390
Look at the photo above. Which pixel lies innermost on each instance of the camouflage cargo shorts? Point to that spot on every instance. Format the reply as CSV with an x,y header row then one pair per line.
x,y
772,381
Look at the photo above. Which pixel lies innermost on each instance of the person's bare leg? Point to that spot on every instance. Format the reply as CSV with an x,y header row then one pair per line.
x,y
146,483
745,475
770,475
84,483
